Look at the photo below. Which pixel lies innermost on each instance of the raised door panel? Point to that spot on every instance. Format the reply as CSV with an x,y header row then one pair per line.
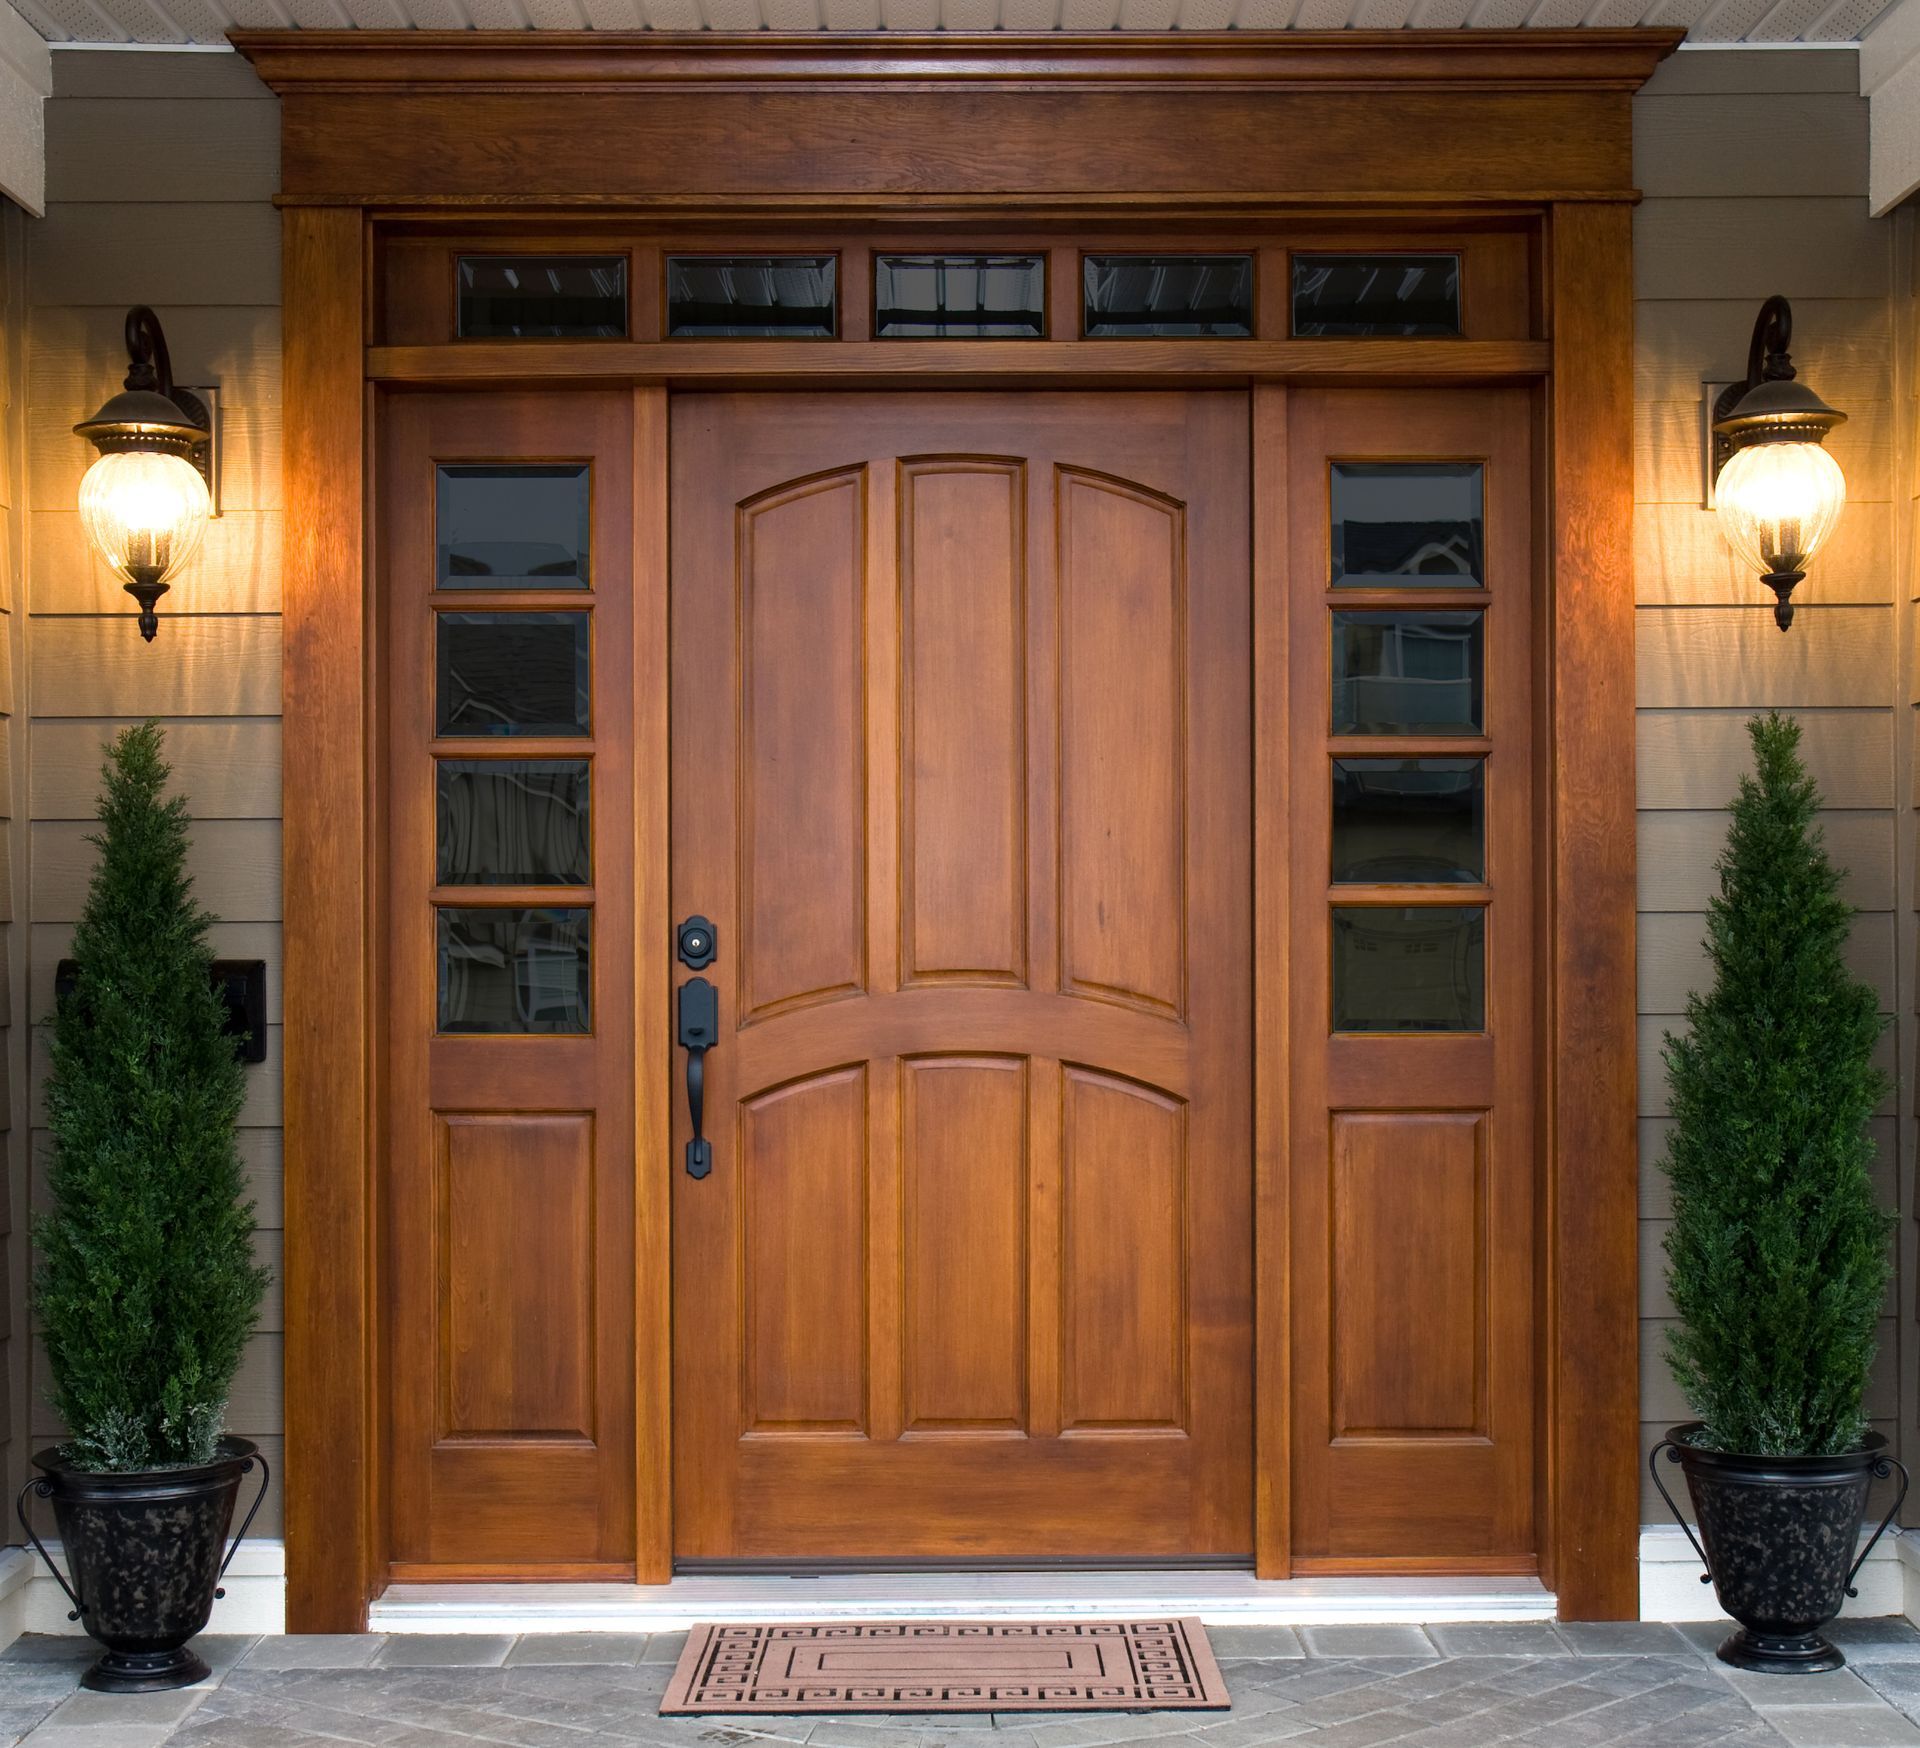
x,y
517,1276
1409,1285
803,1183
801,623
963,747
1123,741
1123,1265
964,1263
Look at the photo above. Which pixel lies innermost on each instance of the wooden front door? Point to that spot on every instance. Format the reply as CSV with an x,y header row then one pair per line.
x,y
960,729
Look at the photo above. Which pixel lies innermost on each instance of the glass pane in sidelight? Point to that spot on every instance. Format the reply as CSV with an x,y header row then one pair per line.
x,y
512,822
755,297
1409,970
513,970
1369,295
513,525
1407,673
549,297
960,297
1141,297
1408,525
511,674
1409,820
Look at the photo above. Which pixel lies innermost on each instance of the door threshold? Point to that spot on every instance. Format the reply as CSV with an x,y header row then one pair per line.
x,y
1218,1598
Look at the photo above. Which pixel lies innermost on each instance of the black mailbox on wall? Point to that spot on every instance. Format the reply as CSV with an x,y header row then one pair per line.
x,y
242,982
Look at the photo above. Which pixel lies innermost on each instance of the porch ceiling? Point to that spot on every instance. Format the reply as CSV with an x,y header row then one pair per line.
x,y
207,21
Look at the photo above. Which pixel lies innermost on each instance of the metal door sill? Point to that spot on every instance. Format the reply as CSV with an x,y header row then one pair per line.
x,y
1220,1598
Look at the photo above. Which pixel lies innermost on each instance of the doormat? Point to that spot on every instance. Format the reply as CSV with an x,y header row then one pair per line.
x,y
946,1666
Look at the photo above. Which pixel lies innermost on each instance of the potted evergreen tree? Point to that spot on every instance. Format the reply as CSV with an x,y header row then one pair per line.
x,y
146,1287
1778,1258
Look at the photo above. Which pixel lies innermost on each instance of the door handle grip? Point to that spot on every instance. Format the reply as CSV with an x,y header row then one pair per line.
x,y
699,1032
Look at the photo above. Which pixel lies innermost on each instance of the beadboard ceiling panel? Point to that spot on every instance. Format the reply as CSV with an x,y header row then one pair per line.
x,y
206,21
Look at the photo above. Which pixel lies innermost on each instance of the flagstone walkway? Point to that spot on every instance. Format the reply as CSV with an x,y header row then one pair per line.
x,y
1598,1686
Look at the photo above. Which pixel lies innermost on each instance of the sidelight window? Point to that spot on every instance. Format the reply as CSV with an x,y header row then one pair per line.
x,y
512,526
1408,525
513,970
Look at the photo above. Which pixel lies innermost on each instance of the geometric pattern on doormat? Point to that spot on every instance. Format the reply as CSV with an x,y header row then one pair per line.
x,y
1163,1664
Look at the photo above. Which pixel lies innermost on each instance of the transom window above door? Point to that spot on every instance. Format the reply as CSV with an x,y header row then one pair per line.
x,y
857,285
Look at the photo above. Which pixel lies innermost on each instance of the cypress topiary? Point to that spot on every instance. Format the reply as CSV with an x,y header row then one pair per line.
x,y
146,1288
1778,1259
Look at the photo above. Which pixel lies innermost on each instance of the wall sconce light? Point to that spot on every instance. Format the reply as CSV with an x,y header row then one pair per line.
x,y
1779,494
146,500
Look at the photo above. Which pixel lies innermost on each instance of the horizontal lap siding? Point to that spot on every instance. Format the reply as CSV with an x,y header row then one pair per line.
x,y
161,172
1723,226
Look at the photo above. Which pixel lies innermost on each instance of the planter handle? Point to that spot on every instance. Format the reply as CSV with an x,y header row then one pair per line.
x,y
1686,1529
43,1488
246,1524
1883,1466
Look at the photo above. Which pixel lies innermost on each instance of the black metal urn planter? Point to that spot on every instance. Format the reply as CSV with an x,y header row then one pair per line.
x,y
1780,1535
144,1549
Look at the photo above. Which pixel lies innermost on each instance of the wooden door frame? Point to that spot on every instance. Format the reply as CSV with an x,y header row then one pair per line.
x,y
412,127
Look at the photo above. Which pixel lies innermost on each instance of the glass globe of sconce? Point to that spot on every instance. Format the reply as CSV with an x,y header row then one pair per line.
x,y
145,502
1778,493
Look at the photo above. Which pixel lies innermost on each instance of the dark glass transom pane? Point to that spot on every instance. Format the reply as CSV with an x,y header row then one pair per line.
x,y
1409,970
511,674
753,297
1409,820
960,297
1414,524
1407,673
513,822
1376,294
1168,296
519,525
551,297
513,970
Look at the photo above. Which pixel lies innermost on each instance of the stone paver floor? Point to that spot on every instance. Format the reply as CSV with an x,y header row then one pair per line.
x,y
1599,1686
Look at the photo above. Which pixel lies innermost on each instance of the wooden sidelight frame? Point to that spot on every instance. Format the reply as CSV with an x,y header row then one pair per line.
x,y
994,133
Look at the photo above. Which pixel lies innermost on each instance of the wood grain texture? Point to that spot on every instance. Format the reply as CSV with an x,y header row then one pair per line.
x,y
384,115
972,1275
226,767
1720,657
1682,559
1728,144
213,151
1273,897
126,252
693,364
217,665
1592,1166
1678,852
235,864
331,1445
1695,758
1725,248
236,570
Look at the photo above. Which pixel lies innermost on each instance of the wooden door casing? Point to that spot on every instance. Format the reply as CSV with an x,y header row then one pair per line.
x,y
960,727
1414,1316
508,1170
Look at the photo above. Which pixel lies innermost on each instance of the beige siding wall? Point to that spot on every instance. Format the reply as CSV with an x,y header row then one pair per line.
x,y
14,1369
1725,223
161,172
